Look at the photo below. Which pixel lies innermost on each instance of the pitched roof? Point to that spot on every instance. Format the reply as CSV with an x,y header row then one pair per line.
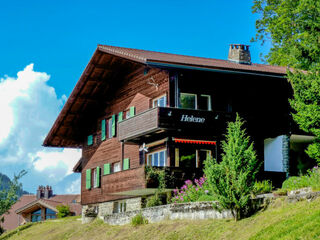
x,y
11,219
83,97
149,57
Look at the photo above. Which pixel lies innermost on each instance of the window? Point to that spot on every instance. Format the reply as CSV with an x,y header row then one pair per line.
x,y
109,134
202,155
157,159
119,207
160,101
116,167
95,178
36,216
188,101
204,102
50,214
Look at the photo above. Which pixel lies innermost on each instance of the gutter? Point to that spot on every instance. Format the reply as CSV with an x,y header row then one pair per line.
x,y
179,66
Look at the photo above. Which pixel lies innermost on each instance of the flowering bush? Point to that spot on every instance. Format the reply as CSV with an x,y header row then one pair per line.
x,y
312,179
190,191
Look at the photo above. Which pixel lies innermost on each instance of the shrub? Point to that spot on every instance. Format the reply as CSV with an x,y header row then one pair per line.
x,y
312,179
264,186
154,200
63,211
190,192
138,219
231,181
206,198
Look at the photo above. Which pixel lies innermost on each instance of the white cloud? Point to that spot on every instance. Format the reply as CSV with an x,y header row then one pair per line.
x,y
28,108
66,158
74,187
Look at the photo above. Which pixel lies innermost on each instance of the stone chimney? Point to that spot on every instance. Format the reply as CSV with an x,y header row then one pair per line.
x,y
239,53
44,192
47,192
40,192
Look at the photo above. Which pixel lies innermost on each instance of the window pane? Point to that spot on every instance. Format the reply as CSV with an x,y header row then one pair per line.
x,y
187,101
155,103
204,102
155,159
162,159
162,102
110,128
116,167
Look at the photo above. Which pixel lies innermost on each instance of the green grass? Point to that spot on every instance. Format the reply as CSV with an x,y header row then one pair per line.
x,y
281,220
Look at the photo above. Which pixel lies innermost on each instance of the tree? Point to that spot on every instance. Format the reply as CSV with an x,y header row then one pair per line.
x,y
9,196
294,29
63,211
231,181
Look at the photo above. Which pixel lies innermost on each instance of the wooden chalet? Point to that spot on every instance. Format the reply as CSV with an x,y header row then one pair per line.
x,y
135,108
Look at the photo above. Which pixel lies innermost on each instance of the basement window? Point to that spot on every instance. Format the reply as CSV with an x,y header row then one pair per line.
x,y
119,207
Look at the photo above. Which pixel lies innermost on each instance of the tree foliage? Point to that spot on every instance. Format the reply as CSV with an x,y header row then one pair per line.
x,y
294,29
63,211
293,26
9,196
231,181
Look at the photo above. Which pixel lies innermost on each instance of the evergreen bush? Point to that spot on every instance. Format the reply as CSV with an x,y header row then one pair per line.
x,y
231,181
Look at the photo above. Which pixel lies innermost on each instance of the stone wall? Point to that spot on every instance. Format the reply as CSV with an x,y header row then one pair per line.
x,y
106,208
194,210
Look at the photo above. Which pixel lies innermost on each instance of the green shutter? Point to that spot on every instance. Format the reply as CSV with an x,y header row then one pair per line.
x,y
106,169
103,129
90,140
126,163
132,111
98,176
120,116
88,178
113,125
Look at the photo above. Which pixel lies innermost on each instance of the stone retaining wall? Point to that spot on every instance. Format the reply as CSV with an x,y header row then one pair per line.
x,y
194,210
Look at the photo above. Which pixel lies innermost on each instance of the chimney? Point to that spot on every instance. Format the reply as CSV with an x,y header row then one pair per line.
x,y
40,192
47,192
239,53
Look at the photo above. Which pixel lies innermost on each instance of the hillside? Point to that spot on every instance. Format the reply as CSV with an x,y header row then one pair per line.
x,y
5,184
280,221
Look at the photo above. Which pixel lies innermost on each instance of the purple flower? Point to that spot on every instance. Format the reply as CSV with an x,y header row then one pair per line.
x,y
188,182
206,191
181,198
175,191
197,189
184,187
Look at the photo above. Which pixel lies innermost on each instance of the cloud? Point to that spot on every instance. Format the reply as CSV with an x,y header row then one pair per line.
x,y
66,159
74,187
29,107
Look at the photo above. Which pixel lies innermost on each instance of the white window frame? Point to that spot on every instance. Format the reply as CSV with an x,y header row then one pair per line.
x,y
116,167
208,151
157,100
190,94
121,206
94,175
152,158
209,101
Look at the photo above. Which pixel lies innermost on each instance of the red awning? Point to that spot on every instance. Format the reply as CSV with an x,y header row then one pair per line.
x,y
190,141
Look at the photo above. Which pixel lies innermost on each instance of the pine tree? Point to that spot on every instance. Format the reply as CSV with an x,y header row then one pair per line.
x,y
231,180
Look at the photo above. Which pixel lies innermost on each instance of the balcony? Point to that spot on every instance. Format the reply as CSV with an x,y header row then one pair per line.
x,y
162,120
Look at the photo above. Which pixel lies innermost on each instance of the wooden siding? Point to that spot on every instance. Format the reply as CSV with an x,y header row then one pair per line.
x,y
134,91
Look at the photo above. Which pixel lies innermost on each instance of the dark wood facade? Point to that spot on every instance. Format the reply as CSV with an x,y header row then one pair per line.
x,y
117,79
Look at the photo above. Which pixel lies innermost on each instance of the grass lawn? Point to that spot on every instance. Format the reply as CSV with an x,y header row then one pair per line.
x,y
280,221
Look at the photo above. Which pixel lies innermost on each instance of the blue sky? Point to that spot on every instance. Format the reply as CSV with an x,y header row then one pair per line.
x,y
50,42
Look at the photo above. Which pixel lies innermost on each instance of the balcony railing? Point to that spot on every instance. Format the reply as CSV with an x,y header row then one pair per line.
x,y
160,119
